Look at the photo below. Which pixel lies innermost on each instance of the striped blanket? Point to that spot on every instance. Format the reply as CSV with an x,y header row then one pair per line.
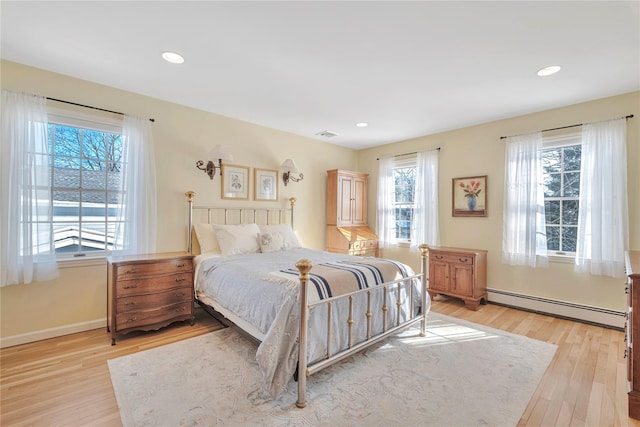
x,y
342,277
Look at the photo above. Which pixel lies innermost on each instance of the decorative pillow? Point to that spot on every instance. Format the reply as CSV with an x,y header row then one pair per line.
x,y
237,239
289,236
206,238
270,242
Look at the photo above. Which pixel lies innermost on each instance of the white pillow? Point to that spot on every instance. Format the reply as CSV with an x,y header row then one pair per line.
x,y
237,239
206,238
290,239
270,242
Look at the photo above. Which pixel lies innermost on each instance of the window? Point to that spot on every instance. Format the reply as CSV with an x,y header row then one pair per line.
x,y
86,185
561,175
404,177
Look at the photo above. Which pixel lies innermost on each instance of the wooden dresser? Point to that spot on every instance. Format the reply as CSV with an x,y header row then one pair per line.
x,y
460,273
147,292
347,231
632,332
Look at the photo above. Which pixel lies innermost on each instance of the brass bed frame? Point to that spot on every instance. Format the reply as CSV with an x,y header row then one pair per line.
x,y
279,216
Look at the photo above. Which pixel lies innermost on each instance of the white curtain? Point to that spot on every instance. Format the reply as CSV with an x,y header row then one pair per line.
x,y
27,250
425,228
137,214
386,198
603,223
524,237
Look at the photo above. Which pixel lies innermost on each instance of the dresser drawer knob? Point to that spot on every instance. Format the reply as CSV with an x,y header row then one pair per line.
x,y
439,257
180,309
463,259
129,286
180,295
130,303
132,271
180,279
131,320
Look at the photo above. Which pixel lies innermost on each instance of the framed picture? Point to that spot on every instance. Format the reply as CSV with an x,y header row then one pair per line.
x,y
235,182
265,184
470,196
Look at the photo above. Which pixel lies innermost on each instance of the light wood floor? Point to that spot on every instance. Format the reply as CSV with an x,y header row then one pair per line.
x,y
65,381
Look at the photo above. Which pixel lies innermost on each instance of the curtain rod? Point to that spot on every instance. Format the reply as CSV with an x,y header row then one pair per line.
x,y
630,116
413,152
89,106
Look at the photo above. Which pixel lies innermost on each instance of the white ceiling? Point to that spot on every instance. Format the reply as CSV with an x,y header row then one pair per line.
x,y
406,68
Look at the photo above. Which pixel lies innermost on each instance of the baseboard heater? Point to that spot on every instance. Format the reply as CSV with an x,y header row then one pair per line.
x,y
584,313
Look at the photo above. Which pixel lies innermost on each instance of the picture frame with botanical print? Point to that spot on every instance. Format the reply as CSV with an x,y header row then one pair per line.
x,y
470,196
235,182
265,184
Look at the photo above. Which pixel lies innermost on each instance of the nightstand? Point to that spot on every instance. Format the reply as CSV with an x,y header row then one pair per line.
x,y
148,292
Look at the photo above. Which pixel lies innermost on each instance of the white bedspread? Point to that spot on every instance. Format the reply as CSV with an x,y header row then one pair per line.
x,y
247,286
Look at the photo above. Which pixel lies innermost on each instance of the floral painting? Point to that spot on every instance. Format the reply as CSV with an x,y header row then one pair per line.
x,y
470,196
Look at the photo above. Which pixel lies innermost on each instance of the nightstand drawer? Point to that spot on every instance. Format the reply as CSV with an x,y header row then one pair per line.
x,y
153,284
169,266
137,319
152,301
453,258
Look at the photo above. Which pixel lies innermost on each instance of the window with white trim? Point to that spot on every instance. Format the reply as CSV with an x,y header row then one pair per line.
x,y
86,159
561,159
404,177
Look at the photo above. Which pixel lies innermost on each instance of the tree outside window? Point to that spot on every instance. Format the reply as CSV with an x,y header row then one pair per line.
x,y
561,174
405,184
86,190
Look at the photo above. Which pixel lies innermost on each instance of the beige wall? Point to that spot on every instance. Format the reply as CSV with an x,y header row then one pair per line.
x,y
181,137
77,300
478,150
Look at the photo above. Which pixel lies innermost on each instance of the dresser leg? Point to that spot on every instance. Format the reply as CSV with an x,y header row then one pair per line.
x,y
472,304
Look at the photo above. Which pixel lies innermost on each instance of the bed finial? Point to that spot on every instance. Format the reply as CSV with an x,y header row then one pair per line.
x,y
190,195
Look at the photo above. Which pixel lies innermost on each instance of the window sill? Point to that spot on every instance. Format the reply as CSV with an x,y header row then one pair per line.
x,y
561,259
82,262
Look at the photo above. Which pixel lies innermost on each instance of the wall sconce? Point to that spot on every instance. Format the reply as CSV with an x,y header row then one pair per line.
x,y
288,168
219,154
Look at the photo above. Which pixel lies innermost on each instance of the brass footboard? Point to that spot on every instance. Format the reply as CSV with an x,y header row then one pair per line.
x,y
305,369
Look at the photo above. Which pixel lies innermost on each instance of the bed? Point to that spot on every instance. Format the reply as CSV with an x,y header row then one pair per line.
x,y
306,308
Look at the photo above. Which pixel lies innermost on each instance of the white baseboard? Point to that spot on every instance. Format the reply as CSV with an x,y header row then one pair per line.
x,y
585,313
52,332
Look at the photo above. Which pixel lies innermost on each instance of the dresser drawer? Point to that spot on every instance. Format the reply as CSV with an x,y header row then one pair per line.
x,y
363,244
136,319
363,252
153,284
151,301
452,258
168,266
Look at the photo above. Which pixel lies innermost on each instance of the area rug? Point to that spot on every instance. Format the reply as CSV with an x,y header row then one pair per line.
x,y
460,374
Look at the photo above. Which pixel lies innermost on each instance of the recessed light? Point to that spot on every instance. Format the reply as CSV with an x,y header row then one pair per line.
x,y
362,125
547,71
172,57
